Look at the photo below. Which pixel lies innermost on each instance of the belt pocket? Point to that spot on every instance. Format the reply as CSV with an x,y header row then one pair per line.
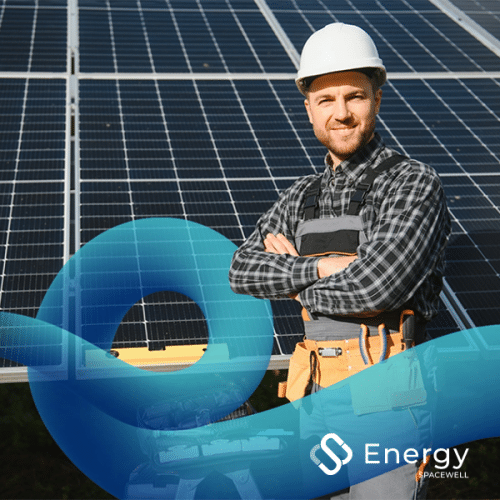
x,y
299,372
307,365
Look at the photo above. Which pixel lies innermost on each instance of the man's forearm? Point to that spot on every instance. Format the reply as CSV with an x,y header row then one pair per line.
x,y
270,275
280,272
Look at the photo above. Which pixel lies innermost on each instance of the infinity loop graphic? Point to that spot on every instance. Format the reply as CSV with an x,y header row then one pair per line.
x,y
140,434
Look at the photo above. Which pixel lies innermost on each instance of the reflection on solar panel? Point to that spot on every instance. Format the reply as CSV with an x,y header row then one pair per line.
x,y
169,108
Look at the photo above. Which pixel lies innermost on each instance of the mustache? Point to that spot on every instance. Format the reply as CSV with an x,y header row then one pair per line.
x,y
339,125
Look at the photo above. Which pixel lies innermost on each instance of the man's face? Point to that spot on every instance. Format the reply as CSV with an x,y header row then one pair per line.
x,y
342,108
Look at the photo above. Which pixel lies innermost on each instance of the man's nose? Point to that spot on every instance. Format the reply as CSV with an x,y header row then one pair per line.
x,y
341,111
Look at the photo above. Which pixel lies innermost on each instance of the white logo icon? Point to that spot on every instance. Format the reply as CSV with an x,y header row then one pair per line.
x,y
338,462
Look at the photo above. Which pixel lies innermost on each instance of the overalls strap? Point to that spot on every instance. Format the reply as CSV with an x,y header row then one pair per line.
x,y
358,198
312,200
311,205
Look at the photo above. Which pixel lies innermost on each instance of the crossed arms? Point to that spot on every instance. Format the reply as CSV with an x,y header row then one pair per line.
x,y
403,258
326,266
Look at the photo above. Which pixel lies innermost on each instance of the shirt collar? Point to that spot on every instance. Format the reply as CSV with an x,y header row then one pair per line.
x,y
355,166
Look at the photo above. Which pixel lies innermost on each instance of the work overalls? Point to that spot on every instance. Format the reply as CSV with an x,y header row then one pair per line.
x,y
336,347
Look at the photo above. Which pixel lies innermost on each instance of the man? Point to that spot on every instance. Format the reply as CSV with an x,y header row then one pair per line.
x,y
361,243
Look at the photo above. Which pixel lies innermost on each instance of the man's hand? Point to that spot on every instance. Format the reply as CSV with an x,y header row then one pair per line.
x,y
279,245
326,267
332,265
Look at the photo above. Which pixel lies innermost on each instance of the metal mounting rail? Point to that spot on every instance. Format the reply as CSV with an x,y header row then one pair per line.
x,y
468,24
459,314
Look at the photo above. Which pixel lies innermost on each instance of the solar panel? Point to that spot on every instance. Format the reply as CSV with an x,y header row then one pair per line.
x,y
33,36
188,109
170,37
407,39
482,17
32,190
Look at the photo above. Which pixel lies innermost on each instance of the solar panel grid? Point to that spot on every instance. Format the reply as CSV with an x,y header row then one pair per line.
x,y
402,33
35,209
32,246
485,12
237,160
33,38
434,105
179,37
16,24
35,3
32,201
219,151
207,91
49,53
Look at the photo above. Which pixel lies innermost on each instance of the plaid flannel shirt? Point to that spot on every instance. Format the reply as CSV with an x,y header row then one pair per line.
x,y
407,224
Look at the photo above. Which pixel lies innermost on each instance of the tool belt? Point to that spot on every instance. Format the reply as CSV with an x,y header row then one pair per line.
x,y
328,362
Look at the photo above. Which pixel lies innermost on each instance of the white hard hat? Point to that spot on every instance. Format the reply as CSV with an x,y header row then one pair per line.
x,y
338,47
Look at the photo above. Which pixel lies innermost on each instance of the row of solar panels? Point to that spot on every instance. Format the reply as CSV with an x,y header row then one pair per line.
x,y
206,37
217,151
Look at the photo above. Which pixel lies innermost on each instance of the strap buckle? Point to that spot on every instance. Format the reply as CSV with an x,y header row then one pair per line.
x,y
330,352
310,201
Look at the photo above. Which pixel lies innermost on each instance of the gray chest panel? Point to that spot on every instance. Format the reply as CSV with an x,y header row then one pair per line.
x,y
340,235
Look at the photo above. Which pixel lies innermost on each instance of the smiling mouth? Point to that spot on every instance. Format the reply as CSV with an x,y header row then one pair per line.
x,y
343,130
343,126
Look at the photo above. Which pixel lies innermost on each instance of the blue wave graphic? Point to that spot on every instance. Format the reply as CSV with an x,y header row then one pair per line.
x,y
139,434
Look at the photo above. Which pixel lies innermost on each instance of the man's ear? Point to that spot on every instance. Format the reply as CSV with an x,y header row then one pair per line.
x,y
378,100
308,109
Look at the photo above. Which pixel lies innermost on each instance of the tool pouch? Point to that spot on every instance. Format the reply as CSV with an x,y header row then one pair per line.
x,y
392,387
310,364
299,374
397,385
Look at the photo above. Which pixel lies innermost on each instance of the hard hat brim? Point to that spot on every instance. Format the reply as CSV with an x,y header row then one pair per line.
x,y
377,74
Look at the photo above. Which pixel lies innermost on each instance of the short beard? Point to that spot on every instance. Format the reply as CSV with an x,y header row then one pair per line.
x,y
344,153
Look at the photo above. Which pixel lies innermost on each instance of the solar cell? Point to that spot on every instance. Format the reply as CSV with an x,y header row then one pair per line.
x,y
211,128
